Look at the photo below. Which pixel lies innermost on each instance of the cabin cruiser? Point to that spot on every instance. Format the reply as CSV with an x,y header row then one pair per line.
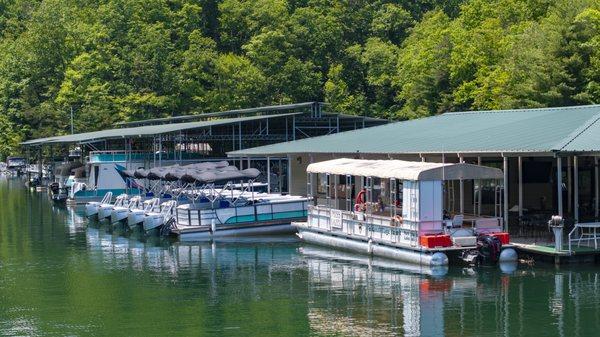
x,y
400,211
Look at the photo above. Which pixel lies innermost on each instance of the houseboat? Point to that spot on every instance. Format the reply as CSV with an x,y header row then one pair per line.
x,y
396,209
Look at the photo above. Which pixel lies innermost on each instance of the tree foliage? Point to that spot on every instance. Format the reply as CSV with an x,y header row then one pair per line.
x,y
120,60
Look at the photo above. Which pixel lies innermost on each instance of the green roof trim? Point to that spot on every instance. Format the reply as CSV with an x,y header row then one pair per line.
x,y
542,130
146,130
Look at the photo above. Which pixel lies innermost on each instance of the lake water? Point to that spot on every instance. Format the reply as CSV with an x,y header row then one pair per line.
x,y
61,275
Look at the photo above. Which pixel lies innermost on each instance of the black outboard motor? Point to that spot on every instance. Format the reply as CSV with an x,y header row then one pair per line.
x,y
54,188
489,248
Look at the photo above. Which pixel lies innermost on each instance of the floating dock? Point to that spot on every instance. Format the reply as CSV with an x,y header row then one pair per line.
x,y
548,254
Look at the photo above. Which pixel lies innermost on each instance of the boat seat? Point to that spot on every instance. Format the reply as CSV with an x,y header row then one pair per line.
x,y
456,222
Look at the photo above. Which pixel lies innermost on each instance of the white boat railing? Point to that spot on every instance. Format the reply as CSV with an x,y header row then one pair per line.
x,y
107,198
363,225
243,214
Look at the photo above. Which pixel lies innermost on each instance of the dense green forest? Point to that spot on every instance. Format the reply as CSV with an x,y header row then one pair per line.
x,y
118,60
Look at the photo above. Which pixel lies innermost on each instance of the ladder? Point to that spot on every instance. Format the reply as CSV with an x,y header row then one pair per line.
x,y
498,198
450,194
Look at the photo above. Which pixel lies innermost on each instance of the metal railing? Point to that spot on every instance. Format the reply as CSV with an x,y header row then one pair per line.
x,y
251,213
587,232
371,227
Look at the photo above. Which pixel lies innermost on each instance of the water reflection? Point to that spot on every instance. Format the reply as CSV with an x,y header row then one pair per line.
x,y
355,296
62,275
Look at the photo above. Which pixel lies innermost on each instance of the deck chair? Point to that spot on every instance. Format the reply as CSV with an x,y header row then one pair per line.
x,y
457,221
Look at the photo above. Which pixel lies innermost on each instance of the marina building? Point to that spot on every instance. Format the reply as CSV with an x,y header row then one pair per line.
x,y
549,157
193,138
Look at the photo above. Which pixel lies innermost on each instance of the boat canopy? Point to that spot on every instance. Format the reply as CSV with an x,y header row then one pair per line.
x,y
404,170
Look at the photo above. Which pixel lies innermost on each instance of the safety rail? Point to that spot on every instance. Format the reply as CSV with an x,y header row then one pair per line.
x,y
370,227
107,198
242,214
117,156
588,231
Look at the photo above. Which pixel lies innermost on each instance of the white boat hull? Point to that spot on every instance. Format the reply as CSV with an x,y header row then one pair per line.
x,y
104,211
119,214
135,218
91,208
190,234
152,221
369,248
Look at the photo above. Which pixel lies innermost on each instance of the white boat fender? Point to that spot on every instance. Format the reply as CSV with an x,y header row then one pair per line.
x,y
299,236
213,226
370,247
508,255
439,259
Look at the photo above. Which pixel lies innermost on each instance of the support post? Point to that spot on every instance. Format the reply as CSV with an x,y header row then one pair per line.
x,y
160,150
505,164
520,161
576,188
569,188
269,175
596,188
461,182
479,192
280,176
40,170
559,185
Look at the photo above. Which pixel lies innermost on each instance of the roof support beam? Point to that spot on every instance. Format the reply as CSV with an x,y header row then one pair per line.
x,y
461,185
520,169
569,188
505,164
479,192
596,188
559,185
576,188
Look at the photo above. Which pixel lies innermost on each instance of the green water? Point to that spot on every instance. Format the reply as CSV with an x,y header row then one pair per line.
x,y
60,275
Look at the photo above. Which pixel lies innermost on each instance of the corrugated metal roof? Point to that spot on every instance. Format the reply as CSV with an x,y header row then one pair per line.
x,y
586,139
525,130
146,130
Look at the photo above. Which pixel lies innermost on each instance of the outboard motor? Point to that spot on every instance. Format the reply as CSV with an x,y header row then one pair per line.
x,y
489,248
54,188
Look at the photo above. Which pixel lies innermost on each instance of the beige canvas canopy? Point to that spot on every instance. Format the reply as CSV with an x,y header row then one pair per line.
x,y
404,170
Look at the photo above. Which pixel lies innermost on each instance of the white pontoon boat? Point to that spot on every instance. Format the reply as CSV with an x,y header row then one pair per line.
x,y
399,211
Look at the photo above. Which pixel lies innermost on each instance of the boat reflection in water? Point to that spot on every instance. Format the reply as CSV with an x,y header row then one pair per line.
x,y
353,295
311,290
379,297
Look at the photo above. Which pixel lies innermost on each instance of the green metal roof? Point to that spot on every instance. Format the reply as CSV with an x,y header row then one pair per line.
x,y
228,113
146,130
526,130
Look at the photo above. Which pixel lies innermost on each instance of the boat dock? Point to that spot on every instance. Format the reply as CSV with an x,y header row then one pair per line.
x,y
546,253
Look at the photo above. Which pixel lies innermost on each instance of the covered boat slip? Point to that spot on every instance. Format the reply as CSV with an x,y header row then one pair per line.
x,y
192,138
396,204
549,157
